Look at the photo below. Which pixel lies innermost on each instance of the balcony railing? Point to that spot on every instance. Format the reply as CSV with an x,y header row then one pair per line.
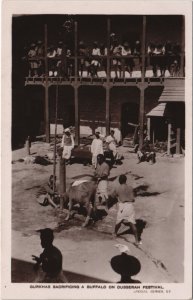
x,y
95,67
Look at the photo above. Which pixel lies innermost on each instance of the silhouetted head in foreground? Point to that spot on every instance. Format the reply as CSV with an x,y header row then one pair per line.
x,y
46,237
126,266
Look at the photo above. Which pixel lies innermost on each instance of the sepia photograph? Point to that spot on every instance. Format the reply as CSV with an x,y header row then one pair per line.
x,y
99,143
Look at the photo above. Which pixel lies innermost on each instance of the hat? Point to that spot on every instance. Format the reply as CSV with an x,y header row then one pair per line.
x,y
39,42
125,264
67,130
60,42
33,45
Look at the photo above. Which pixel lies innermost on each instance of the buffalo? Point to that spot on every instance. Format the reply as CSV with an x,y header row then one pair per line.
x,y
82,192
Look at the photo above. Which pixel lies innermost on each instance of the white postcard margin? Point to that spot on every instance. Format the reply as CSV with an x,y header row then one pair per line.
x,y
16,7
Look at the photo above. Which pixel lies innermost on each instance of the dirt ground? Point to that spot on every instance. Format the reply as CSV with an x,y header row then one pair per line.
x,y
87,252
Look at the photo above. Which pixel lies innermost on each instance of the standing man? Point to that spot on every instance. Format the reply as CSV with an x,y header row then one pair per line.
x,y
96,148
111,142
67,145
126,212
102,173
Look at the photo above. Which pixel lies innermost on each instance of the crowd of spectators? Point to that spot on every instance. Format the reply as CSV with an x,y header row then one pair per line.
x,y
125,57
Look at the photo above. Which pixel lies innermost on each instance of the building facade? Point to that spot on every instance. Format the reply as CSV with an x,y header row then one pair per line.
x,y
137,80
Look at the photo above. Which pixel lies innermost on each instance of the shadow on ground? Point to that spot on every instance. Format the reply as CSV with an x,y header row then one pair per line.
x,y
140,224
141,191
22,271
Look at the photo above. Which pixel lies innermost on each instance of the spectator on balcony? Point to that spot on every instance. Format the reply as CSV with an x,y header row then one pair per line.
x,y
174,69
177,53
129,63
59,51
116,50
84,61
33,64
51,62
40,54
40,48
168,55
95,62
137,54
103,51
69,63
160,59
153,60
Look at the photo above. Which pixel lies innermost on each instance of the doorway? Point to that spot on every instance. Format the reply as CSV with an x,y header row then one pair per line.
x,y
129,118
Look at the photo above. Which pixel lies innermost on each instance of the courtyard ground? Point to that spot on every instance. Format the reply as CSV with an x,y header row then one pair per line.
x,y
87,252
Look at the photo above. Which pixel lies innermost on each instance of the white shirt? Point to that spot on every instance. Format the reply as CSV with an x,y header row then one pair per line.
x,y
97,147
96,51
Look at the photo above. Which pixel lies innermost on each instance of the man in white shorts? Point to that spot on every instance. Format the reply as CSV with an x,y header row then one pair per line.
x,y
126,212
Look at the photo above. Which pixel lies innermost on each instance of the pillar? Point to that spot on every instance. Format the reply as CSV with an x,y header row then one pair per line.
x,y
46,106
169,137
149,128
46,111
76,102
142,88
178,138
62,180
182,60
141,116
107,116
77,127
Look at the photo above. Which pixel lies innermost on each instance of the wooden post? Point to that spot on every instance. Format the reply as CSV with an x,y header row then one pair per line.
x,y
107,117
182,61
142,89
27,145
149,128
55,134
76,102
178,144
46,108
62,181
141,117
153,136
169,138
107,110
